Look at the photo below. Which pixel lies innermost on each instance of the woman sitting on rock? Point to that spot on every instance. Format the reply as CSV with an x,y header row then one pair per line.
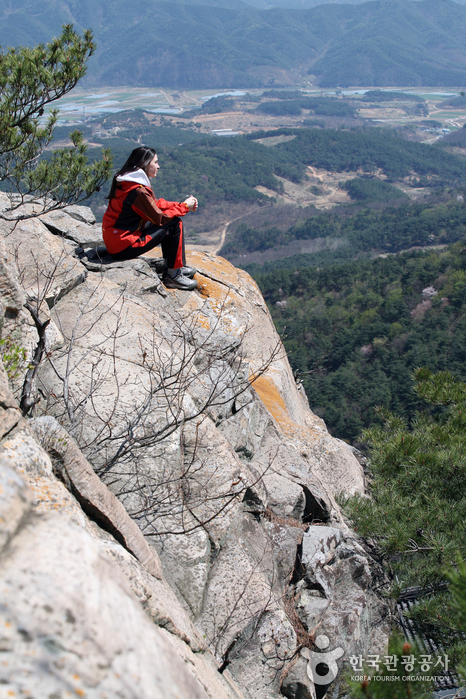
x,y
135,221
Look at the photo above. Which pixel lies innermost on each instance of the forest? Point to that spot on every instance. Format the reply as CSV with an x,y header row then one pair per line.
x,y
365,189
320,106
369,149
356,332
357,231
389,96
219,169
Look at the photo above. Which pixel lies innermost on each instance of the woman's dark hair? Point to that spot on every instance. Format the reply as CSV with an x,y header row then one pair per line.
x,y
138,160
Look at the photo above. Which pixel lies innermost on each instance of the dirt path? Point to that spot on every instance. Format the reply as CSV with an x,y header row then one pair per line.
x,y
222,237
320,178
314,173
225,228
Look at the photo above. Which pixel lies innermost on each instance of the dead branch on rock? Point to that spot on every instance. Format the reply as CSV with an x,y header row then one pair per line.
x,y
246,609
28,401
127,412
40,282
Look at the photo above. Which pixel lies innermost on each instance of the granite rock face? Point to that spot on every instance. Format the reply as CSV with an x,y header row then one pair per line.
x,y
174,492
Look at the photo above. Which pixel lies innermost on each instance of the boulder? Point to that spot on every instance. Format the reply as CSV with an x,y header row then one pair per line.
x,y
70,623
334,592
75,224
43,263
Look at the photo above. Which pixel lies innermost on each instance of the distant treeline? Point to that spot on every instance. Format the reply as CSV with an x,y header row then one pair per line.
x,y
231,169
355,332
457,102
320,106
364,189
388,96
369,149
390,230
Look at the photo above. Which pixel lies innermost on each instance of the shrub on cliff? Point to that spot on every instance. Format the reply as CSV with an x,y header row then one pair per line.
x,y
417,508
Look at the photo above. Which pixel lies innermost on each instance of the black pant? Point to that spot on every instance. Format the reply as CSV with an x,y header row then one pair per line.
x,y
170,237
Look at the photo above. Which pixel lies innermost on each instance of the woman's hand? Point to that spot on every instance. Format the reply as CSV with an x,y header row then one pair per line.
x,y
191,203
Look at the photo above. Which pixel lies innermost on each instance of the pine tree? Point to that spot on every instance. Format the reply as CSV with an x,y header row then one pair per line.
x,y
457,580
417,507
30,79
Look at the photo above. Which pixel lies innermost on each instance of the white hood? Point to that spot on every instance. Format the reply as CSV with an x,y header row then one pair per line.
x,y
138,176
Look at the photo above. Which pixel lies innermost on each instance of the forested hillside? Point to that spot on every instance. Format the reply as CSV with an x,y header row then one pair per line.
x,y
355,232
355,332
218,169
369,149
187,45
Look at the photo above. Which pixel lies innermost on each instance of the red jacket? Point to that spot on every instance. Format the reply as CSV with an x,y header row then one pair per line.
x,y
129,210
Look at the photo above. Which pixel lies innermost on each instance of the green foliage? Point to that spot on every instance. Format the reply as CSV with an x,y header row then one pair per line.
x,y
457,580
280,108
370,149
388,96
455,138
417,507
359,231
431,123
458,102
365,189
215,105
215,169
133,128
13,357
135,125
320,106
458,587
31,78
355,332
218,169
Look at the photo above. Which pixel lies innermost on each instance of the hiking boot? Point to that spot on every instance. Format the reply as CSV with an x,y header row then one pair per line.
x,y
188,272
179,282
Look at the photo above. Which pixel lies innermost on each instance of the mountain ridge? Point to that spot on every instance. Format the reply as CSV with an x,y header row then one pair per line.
x,y
380,43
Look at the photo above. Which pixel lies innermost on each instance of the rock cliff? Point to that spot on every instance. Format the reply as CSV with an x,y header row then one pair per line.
x,y
168,519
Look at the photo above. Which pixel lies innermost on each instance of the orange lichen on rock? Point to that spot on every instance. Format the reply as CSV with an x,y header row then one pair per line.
x,y
271,398
217,267
196,314
207,288
201,320
275,405
273,401
48,495
223,301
